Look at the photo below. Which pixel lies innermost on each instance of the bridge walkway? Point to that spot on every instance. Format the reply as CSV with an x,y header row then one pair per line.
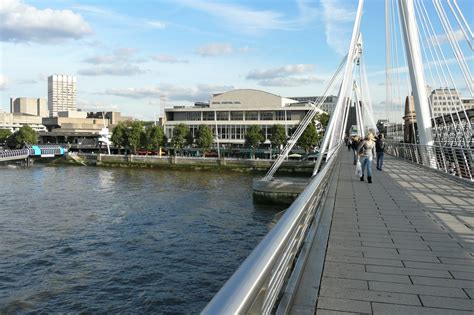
x,y
403,244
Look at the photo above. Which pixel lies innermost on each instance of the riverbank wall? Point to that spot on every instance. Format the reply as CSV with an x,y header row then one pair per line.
x,y
197,163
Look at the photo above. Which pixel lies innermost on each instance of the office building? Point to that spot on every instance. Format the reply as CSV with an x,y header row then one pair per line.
x,y
62,93
29,106
232,112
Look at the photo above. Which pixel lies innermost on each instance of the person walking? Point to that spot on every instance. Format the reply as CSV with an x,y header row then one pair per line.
x,y
366,152
355,146
380,150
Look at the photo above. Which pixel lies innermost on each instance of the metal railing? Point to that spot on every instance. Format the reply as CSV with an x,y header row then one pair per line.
x,y
256,286
9,154
456,161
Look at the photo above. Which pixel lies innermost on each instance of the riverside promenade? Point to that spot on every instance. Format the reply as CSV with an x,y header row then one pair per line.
x,y
402,245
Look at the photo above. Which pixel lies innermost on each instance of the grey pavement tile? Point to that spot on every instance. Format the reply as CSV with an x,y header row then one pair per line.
x,y
344,283
382,308
365,261
334,266
370,295
424,258
328,303
453,283
463,275
347,274
449,303
454,253
470,292
457,261
417,289
410,271
327,312
438,266
337,252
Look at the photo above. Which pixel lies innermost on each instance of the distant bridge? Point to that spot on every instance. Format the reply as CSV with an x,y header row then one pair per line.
x,y
34,151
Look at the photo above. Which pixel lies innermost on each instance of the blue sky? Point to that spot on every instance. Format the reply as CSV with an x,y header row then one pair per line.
x,y
133,56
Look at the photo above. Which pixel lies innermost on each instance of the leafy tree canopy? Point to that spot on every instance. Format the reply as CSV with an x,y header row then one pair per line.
x,y
25,135
309,138
180,132
278,135
4,134
204,138
254,136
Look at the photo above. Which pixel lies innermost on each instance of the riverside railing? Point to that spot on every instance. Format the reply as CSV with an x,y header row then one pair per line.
x,y
457,161
9,154
257,285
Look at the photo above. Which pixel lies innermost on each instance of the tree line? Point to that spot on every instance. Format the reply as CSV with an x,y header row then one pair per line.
x,y
134,135
17,140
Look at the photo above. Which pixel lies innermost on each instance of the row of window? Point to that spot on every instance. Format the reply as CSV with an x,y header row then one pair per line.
x,y
236,115
226,132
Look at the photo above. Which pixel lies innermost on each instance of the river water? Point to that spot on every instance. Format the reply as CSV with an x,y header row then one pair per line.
x,y
95,240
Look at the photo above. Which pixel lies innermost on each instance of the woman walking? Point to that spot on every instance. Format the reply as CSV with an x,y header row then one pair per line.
x,y
366,152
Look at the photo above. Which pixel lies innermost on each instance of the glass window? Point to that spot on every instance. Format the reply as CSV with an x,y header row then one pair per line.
x,y
193,116
266,115
251,115
208,116
236,115
280,115
222,115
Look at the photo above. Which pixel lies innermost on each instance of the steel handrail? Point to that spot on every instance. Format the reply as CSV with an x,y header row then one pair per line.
x,y
457,161
255,287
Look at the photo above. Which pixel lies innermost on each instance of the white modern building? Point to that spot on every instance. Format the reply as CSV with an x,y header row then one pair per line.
x,y
14,121
232,112
62,93
445,101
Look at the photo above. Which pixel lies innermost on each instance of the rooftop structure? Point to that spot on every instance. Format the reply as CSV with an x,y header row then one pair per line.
x,y
29,106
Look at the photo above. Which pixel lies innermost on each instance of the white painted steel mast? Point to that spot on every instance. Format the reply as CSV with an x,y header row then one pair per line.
x,y
343,92
415,68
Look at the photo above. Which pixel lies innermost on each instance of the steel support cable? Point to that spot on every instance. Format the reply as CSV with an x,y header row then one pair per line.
x,y
437,46
463,19
403,20
435,61
459,55
461,25
365,83
397,61
302,126
388,82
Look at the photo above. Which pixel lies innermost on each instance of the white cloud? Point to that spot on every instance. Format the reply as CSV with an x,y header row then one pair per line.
x,y
280,71
20,22
121,62
241,18
214,49
338,16
26,81
201,92
291,81
168,59
3,82
120,55
115,70
92,106
120,18
156,24
443,38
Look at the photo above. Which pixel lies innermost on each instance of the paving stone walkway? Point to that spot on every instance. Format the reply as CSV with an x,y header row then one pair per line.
x,y
402,245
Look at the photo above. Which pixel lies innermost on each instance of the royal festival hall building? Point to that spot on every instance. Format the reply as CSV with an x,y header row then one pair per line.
x,y
234,111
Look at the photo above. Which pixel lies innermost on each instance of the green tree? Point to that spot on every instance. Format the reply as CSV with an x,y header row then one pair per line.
x,y
156,138
119,136
4,134
204,137
278,135
180,133
25,135
254,136
309,138
323,118
134,135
